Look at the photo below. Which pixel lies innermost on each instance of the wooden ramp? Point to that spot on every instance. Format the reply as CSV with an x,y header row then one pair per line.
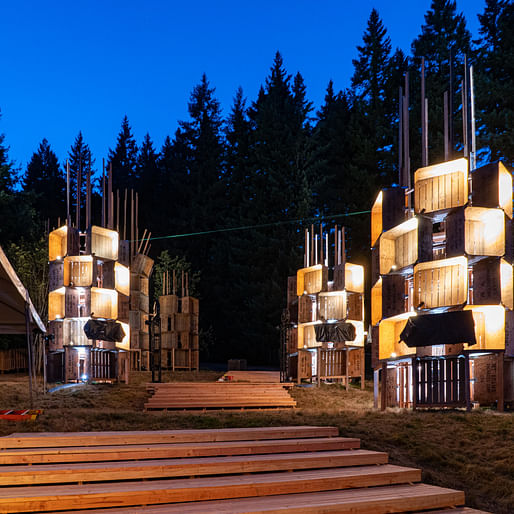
x,y
277,469
218,395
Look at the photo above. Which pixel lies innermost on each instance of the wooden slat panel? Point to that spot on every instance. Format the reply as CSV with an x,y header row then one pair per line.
x,y
172,451
378,500
74,439
163,468
47,498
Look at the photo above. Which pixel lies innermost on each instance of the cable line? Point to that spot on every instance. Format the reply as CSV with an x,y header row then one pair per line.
x,y
262,225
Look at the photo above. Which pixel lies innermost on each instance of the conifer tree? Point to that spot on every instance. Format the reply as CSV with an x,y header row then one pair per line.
x,y
81,161
150,184
444,29
495,80
124,159
45,179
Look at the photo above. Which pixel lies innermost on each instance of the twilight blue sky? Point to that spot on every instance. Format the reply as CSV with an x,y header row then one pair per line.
x,y
83,65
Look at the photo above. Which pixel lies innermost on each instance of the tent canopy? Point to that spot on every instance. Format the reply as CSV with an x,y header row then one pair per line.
x,y
13,298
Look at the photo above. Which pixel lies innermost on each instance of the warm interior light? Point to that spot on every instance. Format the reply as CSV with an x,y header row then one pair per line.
x,y
505,190
507,284
376,219
354,277
489,327
122,279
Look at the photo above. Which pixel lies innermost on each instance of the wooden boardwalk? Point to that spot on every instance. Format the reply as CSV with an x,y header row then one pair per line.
x,y
277,469
255,377
218,395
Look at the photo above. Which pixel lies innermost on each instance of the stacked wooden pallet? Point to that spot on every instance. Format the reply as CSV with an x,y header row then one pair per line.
x,y
217,395
278,469
253,376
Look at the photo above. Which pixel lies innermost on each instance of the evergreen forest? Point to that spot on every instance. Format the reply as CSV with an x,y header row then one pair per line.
x,y
268,169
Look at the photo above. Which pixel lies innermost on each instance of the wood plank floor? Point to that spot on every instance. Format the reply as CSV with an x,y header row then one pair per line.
x,y
218,395
279,469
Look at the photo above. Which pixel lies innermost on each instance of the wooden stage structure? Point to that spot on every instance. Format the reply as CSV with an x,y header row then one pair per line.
x,y
218,395
302,469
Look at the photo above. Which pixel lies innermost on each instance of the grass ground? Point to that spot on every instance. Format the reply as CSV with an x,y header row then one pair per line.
x,y
473,451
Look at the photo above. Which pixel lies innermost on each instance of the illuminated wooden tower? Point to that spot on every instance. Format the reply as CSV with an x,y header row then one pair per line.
x,y
449,254
325,340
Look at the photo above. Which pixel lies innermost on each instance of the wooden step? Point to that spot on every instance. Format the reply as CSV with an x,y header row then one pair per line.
x,y
47,498
376,500
60,439
167,468
172,451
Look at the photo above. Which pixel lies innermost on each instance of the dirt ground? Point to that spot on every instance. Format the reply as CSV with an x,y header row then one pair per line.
x,y
473,451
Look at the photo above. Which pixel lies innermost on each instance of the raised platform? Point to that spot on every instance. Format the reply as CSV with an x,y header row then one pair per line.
x,y
278,469
217,395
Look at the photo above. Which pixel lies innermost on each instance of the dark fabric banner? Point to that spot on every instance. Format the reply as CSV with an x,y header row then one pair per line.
x,y
444,328
104,330
334,332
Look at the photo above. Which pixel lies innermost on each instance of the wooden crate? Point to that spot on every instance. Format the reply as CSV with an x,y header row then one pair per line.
x,y
144,341
78,271
476,231
354,277
406,244
62,242
167,323
55,275
169,340
123,308
195,324
331,305
441,186
355,306
73,332
184,339
490,327
306,308
104,303
103,243
485,372
339,277
168,304
387,211
55,328
56,304
124,253
142,265
292,341
304,365
122,279
307,336
493,282
393,295
492,187
375,341
182,322
441,283
77,302
376,302
312,280
390,346
144,286
190,305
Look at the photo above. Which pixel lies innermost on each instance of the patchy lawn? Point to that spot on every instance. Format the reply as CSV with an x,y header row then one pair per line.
x,y
469,451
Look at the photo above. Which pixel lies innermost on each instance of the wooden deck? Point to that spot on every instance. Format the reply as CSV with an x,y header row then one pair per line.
x,y
277,469
218,395
255,377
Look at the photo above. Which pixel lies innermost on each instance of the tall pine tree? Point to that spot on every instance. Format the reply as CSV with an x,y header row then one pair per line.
x,y
124,159
495,80
45,179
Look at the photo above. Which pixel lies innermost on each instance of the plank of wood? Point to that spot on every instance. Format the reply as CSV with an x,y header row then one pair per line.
x,y
378,500
172,451
60,439
47,498
134,470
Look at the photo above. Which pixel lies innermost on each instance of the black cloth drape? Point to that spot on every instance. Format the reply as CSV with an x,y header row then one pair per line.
x,y
444,328
334,332
104,330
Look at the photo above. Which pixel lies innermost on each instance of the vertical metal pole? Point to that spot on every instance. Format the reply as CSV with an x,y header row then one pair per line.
x,y
110,209
68,220
450,108
29,346
103,193
422,103
465,124
400,138
406,160
446,135
79,176
473,121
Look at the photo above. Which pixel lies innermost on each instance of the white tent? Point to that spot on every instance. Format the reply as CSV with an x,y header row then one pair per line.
x,y
13,302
